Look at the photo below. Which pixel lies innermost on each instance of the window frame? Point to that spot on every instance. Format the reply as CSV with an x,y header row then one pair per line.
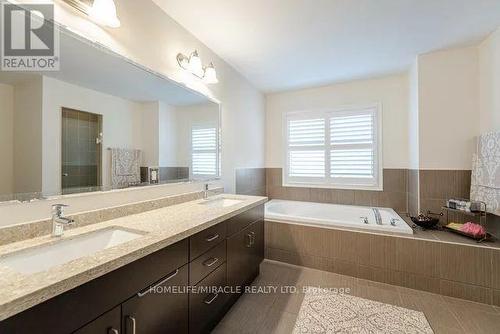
x,y
327,181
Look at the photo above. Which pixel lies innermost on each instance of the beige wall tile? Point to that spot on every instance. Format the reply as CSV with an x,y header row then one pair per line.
x,y
366,198
372,273
466,291
466,264
413,281
383,252
395,180
495,271
251,181
418,256
496,297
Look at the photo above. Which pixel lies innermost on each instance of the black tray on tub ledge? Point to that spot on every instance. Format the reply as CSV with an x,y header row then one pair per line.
x,y
425,222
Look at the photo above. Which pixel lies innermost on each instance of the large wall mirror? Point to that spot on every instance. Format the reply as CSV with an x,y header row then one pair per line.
x,y
100,123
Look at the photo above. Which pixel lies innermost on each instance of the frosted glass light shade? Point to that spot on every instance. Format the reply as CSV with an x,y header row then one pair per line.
x,y
211,75
104,12
195,65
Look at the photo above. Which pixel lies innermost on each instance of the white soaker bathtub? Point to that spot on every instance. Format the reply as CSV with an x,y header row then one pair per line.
x,y
335,215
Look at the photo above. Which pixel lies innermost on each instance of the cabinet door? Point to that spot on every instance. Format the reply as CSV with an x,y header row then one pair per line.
x,y
257,249
245,251
108,323
157,310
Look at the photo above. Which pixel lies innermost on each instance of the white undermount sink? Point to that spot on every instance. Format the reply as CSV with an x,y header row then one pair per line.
x,y
40,258
221,202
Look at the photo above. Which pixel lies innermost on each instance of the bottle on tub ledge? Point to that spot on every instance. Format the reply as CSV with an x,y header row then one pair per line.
x,y
463,205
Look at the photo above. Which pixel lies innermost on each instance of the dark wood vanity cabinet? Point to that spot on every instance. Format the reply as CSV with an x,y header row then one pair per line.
x,y
150,295
245,252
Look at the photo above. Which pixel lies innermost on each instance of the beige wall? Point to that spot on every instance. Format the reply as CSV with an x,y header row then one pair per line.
x,y
390,91
121,119
6,139
489,87
150,133
448,90
152,38
413,117
28,136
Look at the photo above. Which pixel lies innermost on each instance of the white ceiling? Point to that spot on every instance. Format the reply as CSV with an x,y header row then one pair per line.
x,y
286,44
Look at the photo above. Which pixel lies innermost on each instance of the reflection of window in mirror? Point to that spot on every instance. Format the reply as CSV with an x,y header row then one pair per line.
x,y
204,151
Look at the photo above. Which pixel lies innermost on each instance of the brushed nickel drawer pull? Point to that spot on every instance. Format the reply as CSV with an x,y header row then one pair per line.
x,y
148,290
210,262
252,238
212,238
113,331
211,300
133,321
249,244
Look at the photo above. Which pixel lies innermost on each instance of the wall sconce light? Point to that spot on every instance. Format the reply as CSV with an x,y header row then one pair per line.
x,y
102,12
194,65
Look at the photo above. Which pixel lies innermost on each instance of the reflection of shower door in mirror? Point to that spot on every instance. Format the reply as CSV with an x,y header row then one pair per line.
x,y
81,151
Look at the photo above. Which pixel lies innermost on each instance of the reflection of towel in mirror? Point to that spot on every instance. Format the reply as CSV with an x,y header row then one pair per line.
x,y
485,182
125,167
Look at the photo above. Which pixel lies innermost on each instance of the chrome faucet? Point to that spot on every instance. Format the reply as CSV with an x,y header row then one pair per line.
x,y
59,221
206,191
378,217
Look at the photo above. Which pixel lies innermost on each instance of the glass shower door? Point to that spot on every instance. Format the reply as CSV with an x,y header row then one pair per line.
x,y
81,151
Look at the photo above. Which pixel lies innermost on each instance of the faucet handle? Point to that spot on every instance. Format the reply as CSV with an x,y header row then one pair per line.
x,y
206,186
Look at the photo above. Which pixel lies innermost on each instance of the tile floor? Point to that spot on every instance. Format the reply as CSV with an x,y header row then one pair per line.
x,y
276,312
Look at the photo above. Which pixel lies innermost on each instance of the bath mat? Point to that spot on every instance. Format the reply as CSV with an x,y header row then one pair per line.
x,y
323,311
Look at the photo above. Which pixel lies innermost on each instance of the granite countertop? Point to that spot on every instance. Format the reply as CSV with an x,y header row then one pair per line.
x,y
160,228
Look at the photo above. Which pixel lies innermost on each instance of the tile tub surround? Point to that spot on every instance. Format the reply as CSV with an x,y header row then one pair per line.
x,y
29,230
251,181
162,227
437,186
422,262
393,196
413,191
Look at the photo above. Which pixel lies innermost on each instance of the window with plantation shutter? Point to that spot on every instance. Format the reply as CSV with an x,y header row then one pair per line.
x,y
334,148
204,152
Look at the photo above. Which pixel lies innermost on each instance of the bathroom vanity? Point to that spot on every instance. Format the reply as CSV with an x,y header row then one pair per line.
x,y
157,292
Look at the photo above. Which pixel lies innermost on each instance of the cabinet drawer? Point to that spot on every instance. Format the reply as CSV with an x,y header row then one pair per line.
x,y
239,222
206,309
158,310
204,240
206,263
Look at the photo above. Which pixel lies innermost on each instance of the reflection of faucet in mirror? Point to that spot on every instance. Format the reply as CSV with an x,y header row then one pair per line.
x,y
206,192
59,221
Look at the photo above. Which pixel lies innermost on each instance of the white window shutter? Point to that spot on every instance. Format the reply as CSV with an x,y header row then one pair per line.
x,y
204,151
352,145
333,148
306,156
